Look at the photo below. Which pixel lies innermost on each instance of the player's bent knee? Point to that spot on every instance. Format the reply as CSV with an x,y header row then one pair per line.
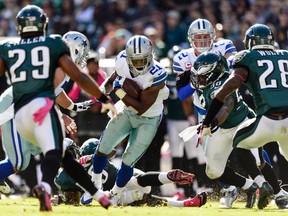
x,y
213,174
147,189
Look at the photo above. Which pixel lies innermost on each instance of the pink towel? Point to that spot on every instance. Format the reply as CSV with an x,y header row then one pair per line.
x,y
42,112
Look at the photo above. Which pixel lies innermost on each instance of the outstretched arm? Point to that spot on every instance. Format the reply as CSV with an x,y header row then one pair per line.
x,y
85,82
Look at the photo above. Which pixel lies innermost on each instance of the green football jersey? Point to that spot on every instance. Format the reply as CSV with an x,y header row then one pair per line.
x,y
239,111
267,79
31,65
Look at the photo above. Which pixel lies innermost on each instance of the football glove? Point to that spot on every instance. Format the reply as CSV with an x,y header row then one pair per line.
x,y
109,106
118,82
82,106
204,130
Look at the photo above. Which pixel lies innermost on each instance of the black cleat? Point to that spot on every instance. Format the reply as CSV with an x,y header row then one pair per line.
x,y
265,192
251,196
281,202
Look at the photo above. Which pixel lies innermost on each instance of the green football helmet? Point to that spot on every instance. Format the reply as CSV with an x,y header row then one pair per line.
x,y
89,146
208,68
72,147
259,36
31,18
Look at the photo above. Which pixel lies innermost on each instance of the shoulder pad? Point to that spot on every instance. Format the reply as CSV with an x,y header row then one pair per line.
x,y
9,40
224,41
55,36
239,56
120,60
182,53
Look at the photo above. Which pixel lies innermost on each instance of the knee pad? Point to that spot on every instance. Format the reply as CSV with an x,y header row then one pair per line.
x,y
212,174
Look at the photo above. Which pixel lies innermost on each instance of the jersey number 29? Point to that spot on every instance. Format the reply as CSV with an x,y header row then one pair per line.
x,y
39,58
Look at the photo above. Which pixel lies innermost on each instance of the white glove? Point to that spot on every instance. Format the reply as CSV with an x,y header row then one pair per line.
x,y
109,106
82,106
204,131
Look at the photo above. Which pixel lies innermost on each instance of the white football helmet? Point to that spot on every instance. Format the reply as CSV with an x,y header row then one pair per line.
x,y
139,54
200,27
79,47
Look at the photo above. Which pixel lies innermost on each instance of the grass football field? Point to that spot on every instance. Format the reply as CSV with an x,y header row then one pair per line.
x,y
30,207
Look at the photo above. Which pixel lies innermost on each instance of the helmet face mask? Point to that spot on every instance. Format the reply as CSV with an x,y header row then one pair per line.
x,y
207,69
72,147
259,36
79,47
139,55
201,35
31,18
89,146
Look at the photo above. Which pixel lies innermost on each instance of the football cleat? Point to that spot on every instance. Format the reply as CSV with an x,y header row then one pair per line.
x,y
281,202
229,198
180,177
265,192
115,199
86,198
4,187
178,196
284,192
104,201
197,201
251,196
44,198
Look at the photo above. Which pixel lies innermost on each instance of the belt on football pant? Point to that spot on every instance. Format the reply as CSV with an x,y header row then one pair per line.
x,y
277,116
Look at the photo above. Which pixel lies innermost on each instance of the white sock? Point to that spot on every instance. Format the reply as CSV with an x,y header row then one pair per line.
x,y
116,191
259,180
247,184
98,194
175,203
163,178
279,194
47,187
97,179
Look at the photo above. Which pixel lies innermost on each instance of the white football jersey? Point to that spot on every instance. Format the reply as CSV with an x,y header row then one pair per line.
x,y
185,59
62,85
156,76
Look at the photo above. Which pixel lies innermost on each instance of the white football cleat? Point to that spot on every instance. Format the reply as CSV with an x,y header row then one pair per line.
x,y
86,198
4,187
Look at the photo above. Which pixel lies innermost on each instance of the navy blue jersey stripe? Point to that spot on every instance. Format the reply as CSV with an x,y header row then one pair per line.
x,y
139,44
134,44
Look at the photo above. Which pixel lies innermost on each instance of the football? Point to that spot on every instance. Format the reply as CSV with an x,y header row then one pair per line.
x,y
131,88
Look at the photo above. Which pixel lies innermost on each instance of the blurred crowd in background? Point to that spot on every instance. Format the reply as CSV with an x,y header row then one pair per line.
x,y
109,24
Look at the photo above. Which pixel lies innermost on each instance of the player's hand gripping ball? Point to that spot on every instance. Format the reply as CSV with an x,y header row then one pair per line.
x,y
131,88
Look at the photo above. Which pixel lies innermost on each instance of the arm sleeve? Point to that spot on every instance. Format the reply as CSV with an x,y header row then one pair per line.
x,y
185,92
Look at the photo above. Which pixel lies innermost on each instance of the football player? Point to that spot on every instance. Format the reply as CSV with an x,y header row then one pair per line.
x,y
138,118
202,37
31,63
261,68
137,188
